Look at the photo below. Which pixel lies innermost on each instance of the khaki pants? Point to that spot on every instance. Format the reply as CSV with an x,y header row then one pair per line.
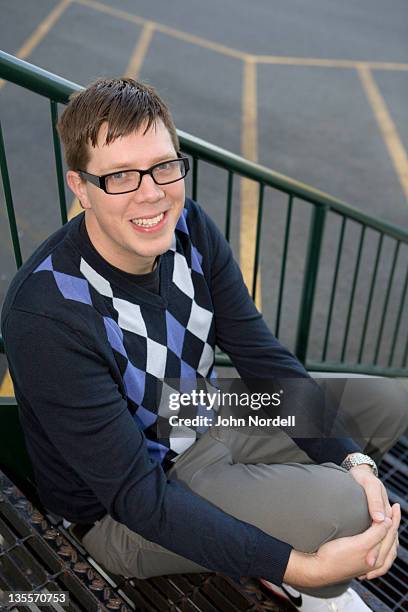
x,y
266,480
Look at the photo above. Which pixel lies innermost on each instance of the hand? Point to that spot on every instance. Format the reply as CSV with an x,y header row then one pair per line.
x,y
382,556
344,558
378,507
377,498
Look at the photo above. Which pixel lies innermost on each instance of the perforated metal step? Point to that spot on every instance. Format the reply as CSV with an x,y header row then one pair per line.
x,y
37,554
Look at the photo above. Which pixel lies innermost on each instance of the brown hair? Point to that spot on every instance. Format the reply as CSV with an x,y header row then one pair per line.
x,y
125,104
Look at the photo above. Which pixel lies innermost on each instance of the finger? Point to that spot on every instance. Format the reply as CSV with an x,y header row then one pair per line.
x,y
387,505
381,569
376,506
388,542
391,536
374,534
388,561
373,554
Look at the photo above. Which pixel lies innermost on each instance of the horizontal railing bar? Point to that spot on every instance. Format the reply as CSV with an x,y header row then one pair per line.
x,y
36,79
334,367
224,158
356,368
6,402
57,88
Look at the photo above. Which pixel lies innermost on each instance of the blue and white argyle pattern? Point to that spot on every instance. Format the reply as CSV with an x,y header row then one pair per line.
x,y
153,346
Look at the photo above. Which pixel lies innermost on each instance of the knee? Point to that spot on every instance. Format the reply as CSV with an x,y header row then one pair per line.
x,y
339,509
343,509
349,509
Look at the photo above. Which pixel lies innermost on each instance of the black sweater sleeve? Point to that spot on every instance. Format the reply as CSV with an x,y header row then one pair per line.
x,y
61,378
242,333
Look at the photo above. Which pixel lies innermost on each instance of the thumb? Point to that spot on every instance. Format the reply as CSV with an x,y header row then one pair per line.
x,y
376,533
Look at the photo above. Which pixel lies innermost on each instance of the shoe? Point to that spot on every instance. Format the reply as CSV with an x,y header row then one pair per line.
x,y
349,601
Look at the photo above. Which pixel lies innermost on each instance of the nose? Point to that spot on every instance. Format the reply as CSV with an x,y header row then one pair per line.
x,y
148,190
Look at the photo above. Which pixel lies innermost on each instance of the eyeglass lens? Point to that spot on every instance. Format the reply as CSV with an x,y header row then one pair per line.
x,y
128,180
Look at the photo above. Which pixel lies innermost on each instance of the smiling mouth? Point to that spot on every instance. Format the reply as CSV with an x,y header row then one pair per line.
x,y
150,222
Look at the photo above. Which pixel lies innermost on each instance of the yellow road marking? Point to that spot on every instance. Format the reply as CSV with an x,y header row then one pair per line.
x,y
203,42
43,29
383,65
249,189
40,32
387,127
327,63
139,53
231,52
173,32
115,12
6,387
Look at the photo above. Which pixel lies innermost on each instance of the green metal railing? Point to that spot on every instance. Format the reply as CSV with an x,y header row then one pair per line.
x,y
388,340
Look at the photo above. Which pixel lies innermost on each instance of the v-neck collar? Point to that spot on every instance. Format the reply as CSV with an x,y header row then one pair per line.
x,y
127,283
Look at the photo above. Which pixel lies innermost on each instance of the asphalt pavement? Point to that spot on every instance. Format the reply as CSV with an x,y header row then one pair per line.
x,y
315,90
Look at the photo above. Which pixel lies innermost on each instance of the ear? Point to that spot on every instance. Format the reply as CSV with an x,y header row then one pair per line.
x,y
79,187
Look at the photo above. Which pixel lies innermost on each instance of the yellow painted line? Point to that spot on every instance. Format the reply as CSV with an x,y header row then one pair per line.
x,y
138,56
231,52
6,387
204,43
316,62
173,32
43,29
249,189
387,127
384,65
40,32
114,12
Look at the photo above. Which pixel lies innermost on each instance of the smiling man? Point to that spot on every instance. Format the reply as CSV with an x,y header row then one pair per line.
x,y
138,290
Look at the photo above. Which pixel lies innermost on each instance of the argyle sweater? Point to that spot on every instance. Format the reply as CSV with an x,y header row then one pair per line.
x,y
88,349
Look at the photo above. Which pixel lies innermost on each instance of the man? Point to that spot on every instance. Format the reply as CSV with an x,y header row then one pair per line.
x,y
138,290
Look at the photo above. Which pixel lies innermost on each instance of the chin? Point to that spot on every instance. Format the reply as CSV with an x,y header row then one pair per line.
x,y
160,247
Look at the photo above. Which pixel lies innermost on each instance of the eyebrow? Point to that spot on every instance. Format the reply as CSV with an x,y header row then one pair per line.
x,y
156,160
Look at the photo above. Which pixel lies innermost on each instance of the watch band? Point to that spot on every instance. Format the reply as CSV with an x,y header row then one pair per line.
x,y
359,459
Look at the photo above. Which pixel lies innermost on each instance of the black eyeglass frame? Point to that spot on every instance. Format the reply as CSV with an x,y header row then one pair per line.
x,y
100,181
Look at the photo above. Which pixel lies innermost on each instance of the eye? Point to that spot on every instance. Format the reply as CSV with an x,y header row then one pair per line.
x,y
164,166
118,175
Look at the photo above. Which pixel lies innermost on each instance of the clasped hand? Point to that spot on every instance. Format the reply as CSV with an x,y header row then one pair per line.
x,y
383,554
366,555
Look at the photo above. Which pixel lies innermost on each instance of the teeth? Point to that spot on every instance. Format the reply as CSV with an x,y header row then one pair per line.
x,y
148,222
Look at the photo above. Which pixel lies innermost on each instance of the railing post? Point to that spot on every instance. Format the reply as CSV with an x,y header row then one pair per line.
x,y
9,202
309,281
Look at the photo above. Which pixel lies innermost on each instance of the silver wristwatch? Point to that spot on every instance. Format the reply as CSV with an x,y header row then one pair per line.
x,y
359,459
